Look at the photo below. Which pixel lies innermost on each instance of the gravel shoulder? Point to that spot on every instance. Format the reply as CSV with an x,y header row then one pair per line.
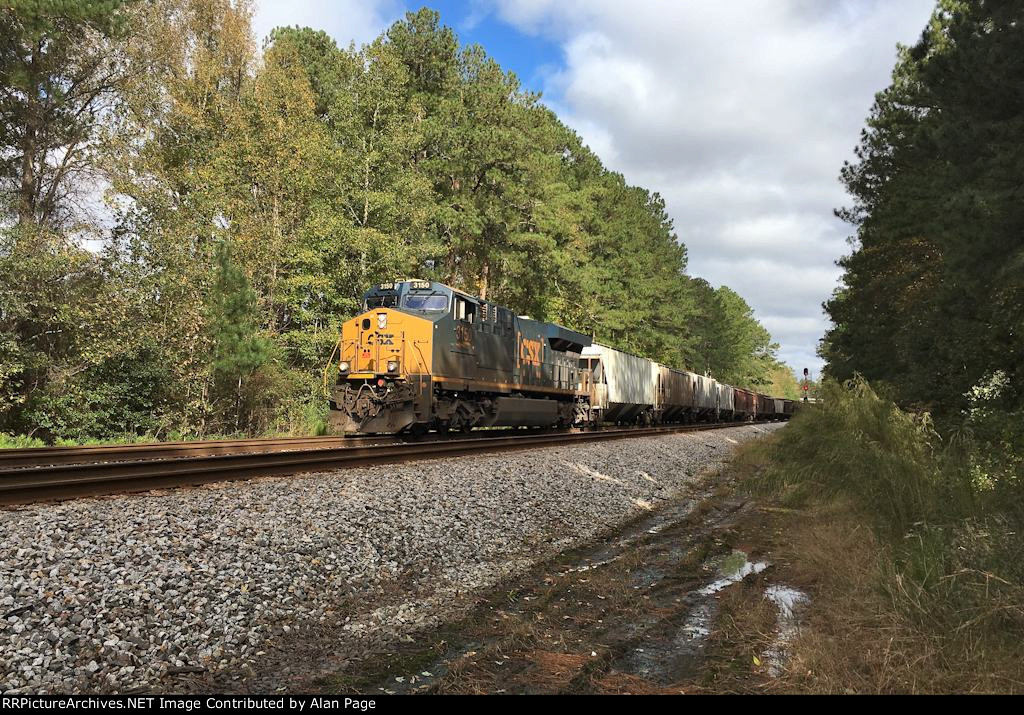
x,y
222,586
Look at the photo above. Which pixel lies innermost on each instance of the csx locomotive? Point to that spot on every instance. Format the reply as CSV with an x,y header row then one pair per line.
x,y
425,356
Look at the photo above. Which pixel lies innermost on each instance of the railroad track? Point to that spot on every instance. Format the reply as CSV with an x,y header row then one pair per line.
x,y
51,456
43,474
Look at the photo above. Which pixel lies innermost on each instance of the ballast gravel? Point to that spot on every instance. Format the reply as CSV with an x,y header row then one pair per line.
x,y
122,593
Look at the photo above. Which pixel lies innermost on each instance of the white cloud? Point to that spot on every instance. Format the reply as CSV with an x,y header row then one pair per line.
x,y
358,21
740,114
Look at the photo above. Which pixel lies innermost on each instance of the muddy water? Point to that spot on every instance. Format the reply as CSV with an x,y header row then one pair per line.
x,y
789,602
668,651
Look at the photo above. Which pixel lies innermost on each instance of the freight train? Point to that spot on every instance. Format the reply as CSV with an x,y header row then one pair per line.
x,y
424,356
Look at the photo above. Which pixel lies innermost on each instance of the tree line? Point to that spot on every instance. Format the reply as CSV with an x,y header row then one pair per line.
x,y
187,216
931,308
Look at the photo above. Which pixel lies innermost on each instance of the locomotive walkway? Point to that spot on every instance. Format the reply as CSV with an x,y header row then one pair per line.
x,y
45,473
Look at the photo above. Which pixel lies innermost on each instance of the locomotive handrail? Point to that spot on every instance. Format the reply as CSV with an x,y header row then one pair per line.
x,y
327,367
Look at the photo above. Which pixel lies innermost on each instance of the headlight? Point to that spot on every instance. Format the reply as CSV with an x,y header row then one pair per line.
x,y
343,366
392,366
382,321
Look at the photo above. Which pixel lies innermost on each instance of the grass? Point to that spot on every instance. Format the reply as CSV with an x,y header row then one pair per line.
x,y
380,670
301,418
19,441
309,421
915,570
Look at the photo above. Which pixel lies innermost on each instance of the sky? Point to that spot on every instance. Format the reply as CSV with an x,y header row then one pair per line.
x,y
740,114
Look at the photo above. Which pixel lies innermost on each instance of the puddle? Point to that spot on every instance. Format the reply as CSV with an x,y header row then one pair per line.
x,y
666,659
664,636
788,601
733,568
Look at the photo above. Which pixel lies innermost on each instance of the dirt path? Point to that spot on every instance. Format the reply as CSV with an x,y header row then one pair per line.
x,y
681,600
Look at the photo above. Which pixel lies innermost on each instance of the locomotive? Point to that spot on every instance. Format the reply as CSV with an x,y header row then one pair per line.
x,y
425,356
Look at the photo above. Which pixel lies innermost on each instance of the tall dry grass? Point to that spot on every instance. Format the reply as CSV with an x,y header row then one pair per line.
x,y
918,560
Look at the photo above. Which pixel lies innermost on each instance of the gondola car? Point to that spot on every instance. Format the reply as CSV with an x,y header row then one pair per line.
x,y
745,404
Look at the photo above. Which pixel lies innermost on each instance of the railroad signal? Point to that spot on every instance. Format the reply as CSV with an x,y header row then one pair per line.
x,y
805,373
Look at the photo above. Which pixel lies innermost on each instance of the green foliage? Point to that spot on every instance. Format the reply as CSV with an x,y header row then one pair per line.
x,y
997,430
932,295
732,345
58,71
860,446
8,441
931,307
784,383
256,195
73,364
238,349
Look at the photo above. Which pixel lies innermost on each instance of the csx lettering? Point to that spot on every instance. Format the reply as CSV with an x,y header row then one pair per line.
x,y
380,338
529,351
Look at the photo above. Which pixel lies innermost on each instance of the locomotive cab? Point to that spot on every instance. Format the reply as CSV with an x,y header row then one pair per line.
x,y
391,339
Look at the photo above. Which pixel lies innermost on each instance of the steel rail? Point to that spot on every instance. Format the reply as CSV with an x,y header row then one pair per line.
x,y
36,456
65,481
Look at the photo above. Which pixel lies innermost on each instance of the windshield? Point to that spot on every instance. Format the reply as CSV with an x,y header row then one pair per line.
x,y
433,302
381,301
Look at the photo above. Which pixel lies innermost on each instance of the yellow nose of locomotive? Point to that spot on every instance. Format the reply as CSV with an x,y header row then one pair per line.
x,y
385,342
384,373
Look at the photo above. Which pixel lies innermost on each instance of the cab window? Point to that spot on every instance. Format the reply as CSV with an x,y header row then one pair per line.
x,y
432,302
381,301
